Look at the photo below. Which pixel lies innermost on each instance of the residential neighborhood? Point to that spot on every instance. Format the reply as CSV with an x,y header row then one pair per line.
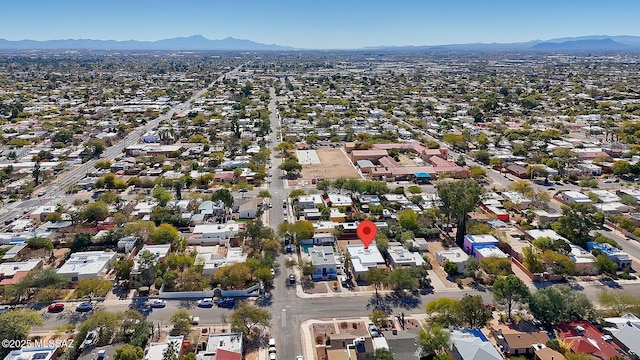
x,y
177,205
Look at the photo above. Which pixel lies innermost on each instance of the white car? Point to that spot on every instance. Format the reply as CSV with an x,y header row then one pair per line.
x,y
91,338
158,303
207,302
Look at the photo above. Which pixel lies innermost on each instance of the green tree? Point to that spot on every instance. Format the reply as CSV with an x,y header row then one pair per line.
x,y
450,268
472,312
433,339
458,199
92,288
559,303
122,268
16,324
246,317
80,241
223,195
443,311
401,279
605,265
379,318
621,167
95,211
129,352
383,354
510,290
146,264
619,301
376,278
95,147
577,220
161,195
408,219
181,322
291,165
471,267
165,234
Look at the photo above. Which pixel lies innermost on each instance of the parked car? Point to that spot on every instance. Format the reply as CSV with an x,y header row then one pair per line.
x,y
91,338
194,320
272,347
205,303
299,357
272,356
374,331
158,303
227,303
84,307
54,308
292,279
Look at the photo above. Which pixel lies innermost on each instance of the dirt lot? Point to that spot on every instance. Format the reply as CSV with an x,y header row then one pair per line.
x,y
333,164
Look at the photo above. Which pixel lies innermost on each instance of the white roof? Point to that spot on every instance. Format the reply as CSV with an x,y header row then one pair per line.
x,y
32,353
491,251
230,342
482,239
454,254
364,259
11,268
538,233
156,350
606,196
87,263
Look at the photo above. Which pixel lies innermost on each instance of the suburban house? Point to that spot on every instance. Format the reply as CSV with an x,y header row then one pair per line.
x,y
455,255
575,196
626,337
472,243
324,263
515,343
616,255
213,234
583,337
471,344
248,208
156,350
401,257
362,259
159,251
87,265
12,272
222,347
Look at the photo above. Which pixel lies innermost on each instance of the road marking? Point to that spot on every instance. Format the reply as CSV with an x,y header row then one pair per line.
x,y
284,318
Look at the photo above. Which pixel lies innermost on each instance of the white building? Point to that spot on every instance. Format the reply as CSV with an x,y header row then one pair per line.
x,y
400,256
33,353
575,196
230,345
156,350
454,255
362,259
87,265
324,263
213,234
160,251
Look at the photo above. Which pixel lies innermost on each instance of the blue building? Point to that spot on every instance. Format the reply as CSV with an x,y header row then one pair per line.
x,y
616,255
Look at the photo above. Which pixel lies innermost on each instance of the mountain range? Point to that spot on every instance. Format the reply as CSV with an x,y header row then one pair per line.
x,y
199,42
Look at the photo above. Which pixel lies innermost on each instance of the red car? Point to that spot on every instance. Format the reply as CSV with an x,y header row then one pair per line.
x,y
56,307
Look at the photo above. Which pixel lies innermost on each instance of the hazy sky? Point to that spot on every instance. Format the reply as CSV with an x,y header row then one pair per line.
x,y
319,23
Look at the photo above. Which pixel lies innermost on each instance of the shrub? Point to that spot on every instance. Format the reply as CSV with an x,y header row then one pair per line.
x,y
319,340
344,325
354,325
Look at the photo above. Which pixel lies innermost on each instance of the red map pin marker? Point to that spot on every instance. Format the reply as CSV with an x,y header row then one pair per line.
x,y
366,232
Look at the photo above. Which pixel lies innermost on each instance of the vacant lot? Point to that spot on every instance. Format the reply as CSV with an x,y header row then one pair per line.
x,y
333,164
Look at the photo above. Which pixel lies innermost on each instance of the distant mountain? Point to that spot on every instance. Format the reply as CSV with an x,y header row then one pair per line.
x,y
199,42
196,42
587,44
582,43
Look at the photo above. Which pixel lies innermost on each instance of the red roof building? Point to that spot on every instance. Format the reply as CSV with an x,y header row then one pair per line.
x,y
585,338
